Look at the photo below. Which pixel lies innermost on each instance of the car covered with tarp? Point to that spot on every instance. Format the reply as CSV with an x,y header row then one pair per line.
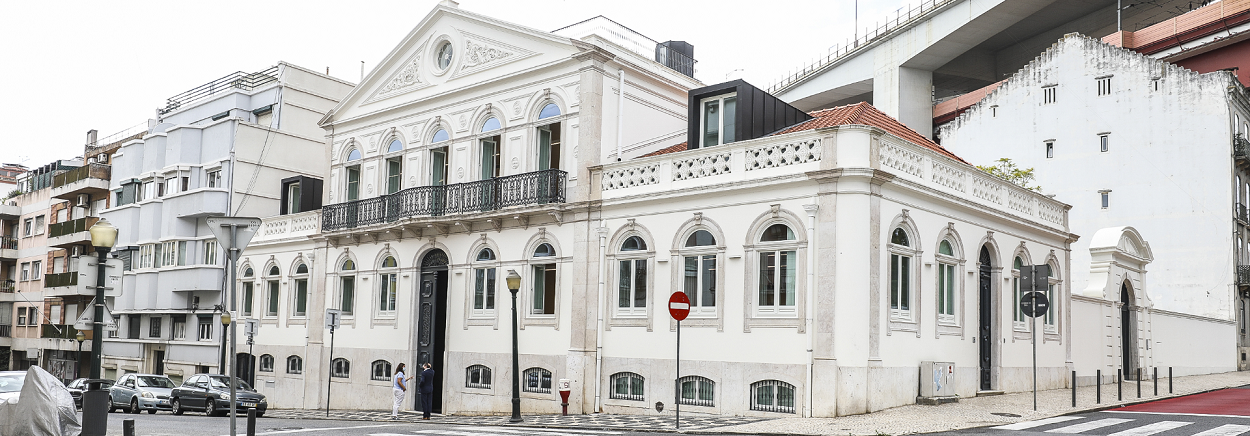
x,y
42,407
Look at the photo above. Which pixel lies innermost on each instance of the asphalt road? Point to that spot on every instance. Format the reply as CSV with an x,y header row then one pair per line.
x,y
1219,413
166,424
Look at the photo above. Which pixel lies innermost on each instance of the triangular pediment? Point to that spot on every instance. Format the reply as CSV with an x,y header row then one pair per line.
x,y
483,49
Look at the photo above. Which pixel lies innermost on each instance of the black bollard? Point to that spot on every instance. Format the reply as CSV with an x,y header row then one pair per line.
x,y
251,421
1169,379
1119,384
1138,382
128,427
1156,377
1098,387
1073,388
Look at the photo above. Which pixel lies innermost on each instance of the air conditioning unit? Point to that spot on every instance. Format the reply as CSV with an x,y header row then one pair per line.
x,y
84,200
937,383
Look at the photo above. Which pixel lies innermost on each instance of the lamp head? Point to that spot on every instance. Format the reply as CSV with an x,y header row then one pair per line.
x,y
514,280
80,337
103,234
225,318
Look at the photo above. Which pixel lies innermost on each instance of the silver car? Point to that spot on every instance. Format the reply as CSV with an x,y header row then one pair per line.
x,y
135,392
11,384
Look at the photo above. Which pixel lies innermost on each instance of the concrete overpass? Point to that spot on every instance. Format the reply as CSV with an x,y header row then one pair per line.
x,y
951,47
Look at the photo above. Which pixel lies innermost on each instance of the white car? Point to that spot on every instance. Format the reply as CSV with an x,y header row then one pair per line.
x,y
11,385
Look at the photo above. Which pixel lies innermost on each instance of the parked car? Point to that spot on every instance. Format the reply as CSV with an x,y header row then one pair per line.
x,y
11,384
135,392
77,387
211,393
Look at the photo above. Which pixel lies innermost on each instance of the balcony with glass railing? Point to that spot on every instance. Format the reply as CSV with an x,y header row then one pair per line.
x,y
509,193
90,179
73,232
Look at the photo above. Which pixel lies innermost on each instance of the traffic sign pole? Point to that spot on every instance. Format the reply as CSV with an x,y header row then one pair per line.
x,y
679,308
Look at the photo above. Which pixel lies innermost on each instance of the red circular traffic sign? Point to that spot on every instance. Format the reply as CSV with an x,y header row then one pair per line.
x,y
679,305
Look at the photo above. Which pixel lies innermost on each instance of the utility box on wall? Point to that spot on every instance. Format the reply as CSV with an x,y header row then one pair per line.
x,y
937,383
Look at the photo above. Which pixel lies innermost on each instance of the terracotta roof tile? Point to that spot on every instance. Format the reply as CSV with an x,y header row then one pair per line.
x,y
865,114
667,150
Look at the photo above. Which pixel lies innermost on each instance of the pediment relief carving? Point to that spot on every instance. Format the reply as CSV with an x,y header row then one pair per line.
x,y
482,53
407,79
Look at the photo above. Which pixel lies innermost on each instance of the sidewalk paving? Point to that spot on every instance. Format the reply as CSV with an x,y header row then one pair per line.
x,y
911,419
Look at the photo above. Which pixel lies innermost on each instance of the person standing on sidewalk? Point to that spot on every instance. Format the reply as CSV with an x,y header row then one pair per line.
x,y
427,391
399,387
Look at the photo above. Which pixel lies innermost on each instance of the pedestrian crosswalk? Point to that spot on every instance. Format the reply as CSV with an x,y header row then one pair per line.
x,y
1087,425
500,431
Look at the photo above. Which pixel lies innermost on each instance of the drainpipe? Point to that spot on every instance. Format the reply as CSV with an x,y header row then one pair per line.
x,y
811,303
620,116
603,259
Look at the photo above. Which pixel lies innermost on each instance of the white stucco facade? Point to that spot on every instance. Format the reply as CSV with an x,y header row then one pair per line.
x,y
1132,141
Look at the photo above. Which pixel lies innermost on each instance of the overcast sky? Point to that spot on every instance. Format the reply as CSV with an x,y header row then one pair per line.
x,y
72,66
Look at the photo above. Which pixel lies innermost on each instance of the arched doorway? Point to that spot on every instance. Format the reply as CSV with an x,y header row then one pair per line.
x,y
1128,336
245,368
432,320
985,317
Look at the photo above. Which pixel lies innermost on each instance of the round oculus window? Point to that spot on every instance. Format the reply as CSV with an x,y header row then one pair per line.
x,y
444,55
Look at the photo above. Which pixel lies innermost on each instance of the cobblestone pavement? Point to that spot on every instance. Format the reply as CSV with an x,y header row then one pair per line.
x,y
911,419
587,422
985,411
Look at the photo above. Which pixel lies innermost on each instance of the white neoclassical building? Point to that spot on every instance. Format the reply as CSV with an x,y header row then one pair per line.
x,y
1153,158
827,255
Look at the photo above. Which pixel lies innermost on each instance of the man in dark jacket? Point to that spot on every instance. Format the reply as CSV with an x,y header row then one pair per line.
x,y
426,388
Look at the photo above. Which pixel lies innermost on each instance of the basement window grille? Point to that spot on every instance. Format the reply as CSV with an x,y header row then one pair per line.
x,y
772,396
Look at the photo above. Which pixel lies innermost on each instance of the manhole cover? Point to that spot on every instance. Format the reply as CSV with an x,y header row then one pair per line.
x,y
1009,415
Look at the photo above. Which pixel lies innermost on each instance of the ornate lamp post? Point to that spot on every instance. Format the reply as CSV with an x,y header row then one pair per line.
x,y
79,337
95,408
514,284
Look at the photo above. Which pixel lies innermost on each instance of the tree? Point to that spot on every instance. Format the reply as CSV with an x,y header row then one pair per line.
x,y
1006,169
13,193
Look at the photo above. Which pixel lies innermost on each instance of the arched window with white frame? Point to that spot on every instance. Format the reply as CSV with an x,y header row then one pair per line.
x,y
699,255
947,283
439,158
484,283
1018,319
549,138
347,287
1049,322
394,166
633,263
543,292
778,271
249,290
299,303
272,280
388,286
903,251
351,189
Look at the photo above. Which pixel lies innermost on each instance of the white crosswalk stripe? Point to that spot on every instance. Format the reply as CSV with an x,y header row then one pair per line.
x,y
1152,428
1226,430
1087,426
498,431
1037,423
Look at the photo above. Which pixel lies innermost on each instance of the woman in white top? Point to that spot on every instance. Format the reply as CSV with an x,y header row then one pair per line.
x,y
399,386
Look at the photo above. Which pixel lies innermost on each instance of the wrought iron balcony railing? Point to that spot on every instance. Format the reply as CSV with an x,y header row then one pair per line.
x,y
1243,275
8,243
539,187
1239,212
1241,147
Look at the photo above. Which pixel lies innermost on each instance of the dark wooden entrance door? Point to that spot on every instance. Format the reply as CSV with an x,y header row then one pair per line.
x,y
985,317
1126,330
158,361
245,365
432,321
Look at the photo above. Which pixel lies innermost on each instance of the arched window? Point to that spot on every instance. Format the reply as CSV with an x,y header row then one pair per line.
x,y
266,363
698,391
388,286
537,380
1017,316
272,282
946,280
439,163
477,376
294,365
381,370
353,155
1052,281
394,168
627,386
699,272
249,291
347,287
351,187
543,266
440,136
301,290
778,271
634,243
900,275
340,368
490,124
550,110
395,146
484,274
772,396
632,265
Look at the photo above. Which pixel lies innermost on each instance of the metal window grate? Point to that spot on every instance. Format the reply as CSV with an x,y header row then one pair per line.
x,y
340,368
266,363
627,386
698,391
381,370
294,365
772,396
537,380
477,376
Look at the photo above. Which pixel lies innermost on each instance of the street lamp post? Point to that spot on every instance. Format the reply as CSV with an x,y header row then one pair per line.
x,y
514,284
79,337
95,412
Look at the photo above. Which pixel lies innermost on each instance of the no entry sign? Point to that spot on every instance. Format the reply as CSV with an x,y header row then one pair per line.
x,y
679,305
